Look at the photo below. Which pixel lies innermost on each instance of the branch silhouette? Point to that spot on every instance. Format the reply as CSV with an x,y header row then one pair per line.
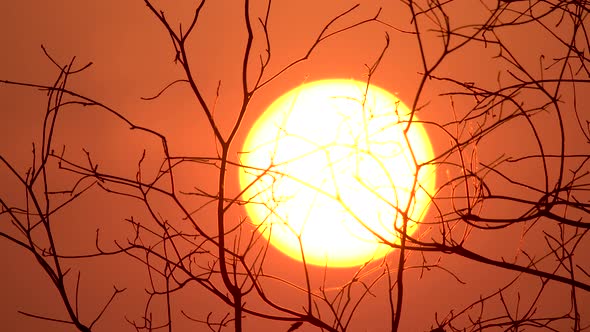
x,y
511,160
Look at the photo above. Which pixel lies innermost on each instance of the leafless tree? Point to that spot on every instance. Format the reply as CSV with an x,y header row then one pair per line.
x,y
512,172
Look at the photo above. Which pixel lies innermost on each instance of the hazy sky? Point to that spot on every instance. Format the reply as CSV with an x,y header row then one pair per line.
x,y
132,57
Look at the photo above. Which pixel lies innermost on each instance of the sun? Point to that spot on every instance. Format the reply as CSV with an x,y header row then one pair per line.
x,y
329,176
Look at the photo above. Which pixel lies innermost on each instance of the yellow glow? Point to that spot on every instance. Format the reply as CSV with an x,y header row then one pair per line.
x,y
327,167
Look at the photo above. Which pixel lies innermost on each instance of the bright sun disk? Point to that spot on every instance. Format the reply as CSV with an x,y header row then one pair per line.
x,y
328,172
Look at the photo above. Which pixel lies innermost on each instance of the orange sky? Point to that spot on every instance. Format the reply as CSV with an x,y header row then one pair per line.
x,y
132,57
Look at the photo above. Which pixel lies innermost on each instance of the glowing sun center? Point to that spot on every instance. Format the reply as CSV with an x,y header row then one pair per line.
x,y
329,175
